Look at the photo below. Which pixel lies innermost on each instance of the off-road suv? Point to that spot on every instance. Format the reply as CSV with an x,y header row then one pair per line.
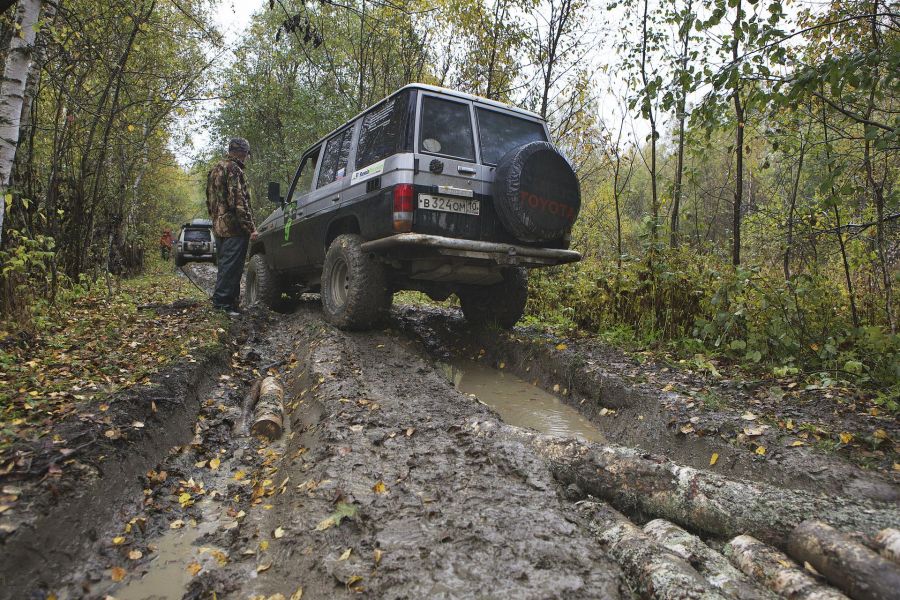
x,y
195,243
430,190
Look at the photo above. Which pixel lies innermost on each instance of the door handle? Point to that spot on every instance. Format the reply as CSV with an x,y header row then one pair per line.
x,y
466,170
336,198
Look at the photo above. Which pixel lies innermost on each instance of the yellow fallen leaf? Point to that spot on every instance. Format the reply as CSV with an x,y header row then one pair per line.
x,y
264,567
214,464
846,438
103,407
185,500
748,416
410,431
561,346
118,540
194,568
178,524
714,458
264,545
880,434
278,533
379,488
897,466
686,429
761,450
135,554
200,464
239,475
502,365
117,573
796,443
346,554
298,595
378,554
353,580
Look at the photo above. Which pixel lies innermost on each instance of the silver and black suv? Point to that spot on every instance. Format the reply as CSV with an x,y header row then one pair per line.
x,y
430,190
195,243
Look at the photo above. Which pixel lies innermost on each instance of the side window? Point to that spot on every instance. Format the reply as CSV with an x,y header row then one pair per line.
x,y
304,178
334,159
446,129
383,131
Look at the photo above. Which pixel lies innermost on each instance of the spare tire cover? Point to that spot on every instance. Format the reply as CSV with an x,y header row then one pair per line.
x,y
536,192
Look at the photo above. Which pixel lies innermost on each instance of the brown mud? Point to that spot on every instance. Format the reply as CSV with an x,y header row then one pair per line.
x,y
379,485
633,404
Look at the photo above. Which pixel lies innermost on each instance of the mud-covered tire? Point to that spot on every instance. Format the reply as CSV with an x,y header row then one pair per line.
x,y
179,261
355,293
501,304
536,193
262,286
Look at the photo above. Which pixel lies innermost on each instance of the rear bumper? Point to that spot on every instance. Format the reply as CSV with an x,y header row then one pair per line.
x,y
498,253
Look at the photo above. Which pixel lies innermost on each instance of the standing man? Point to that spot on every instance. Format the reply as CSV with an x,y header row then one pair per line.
x,y
228,203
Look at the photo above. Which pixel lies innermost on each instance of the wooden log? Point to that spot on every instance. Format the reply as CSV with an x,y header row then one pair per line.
x,y
860,572
268,415
697,500
778,572
714,567
888,543
654,571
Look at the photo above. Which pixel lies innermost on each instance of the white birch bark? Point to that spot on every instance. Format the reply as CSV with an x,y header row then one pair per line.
x,y
12,91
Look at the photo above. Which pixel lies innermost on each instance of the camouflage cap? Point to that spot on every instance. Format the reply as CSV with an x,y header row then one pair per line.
x,y
239,145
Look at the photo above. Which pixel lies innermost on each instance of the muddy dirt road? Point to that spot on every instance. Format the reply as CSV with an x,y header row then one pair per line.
x,y
397,477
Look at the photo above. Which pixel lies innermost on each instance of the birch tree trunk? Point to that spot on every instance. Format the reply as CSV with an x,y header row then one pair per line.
x,y
12,91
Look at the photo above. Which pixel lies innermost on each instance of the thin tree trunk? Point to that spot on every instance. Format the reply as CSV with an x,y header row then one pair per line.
x,y
878,187
12,91
837,217
654,230
739,142
790,223
682,102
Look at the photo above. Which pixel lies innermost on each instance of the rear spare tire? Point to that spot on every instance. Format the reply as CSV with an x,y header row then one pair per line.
x,y
536,193
502,304
355,294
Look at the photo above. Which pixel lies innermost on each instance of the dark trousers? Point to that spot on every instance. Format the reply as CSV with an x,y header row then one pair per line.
x,y
230,253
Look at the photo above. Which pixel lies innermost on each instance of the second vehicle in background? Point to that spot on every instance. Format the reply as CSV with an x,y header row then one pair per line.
x,y
196,243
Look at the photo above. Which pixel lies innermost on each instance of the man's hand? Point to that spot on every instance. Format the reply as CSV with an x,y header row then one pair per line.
x,y
254,235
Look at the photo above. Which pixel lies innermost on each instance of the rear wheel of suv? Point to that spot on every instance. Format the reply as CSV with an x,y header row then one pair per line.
x,y
502,303
262,286
355,293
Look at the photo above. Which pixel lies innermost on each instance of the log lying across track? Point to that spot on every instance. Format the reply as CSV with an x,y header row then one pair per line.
x,y
888,543
655,571
777,571
714,567
697,500
860,572
268,415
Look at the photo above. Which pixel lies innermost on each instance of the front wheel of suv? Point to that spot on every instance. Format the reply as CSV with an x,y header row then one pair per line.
x,y
355,293
262,286
502,303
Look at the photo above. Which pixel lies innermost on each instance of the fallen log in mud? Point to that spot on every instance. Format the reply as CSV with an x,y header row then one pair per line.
x,y
714,567
268,416
777,571
858,571
655,571
698,500
888,543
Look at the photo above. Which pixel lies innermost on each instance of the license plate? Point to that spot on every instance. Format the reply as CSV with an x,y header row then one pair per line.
x,y
462,206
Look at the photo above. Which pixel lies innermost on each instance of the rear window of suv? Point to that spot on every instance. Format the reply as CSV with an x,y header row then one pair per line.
x,y
196,235
499,133
446,129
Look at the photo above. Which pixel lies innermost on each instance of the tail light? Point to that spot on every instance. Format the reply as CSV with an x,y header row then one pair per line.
x,y
404,204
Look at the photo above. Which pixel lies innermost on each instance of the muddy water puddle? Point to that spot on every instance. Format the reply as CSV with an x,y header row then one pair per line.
x,y
169,573
518,402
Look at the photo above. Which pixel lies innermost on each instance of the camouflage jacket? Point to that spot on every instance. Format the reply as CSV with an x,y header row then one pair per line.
x,y
228,199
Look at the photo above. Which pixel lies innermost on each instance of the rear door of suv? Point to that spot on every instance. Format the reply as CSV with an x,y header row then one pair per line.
x,y
451,184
